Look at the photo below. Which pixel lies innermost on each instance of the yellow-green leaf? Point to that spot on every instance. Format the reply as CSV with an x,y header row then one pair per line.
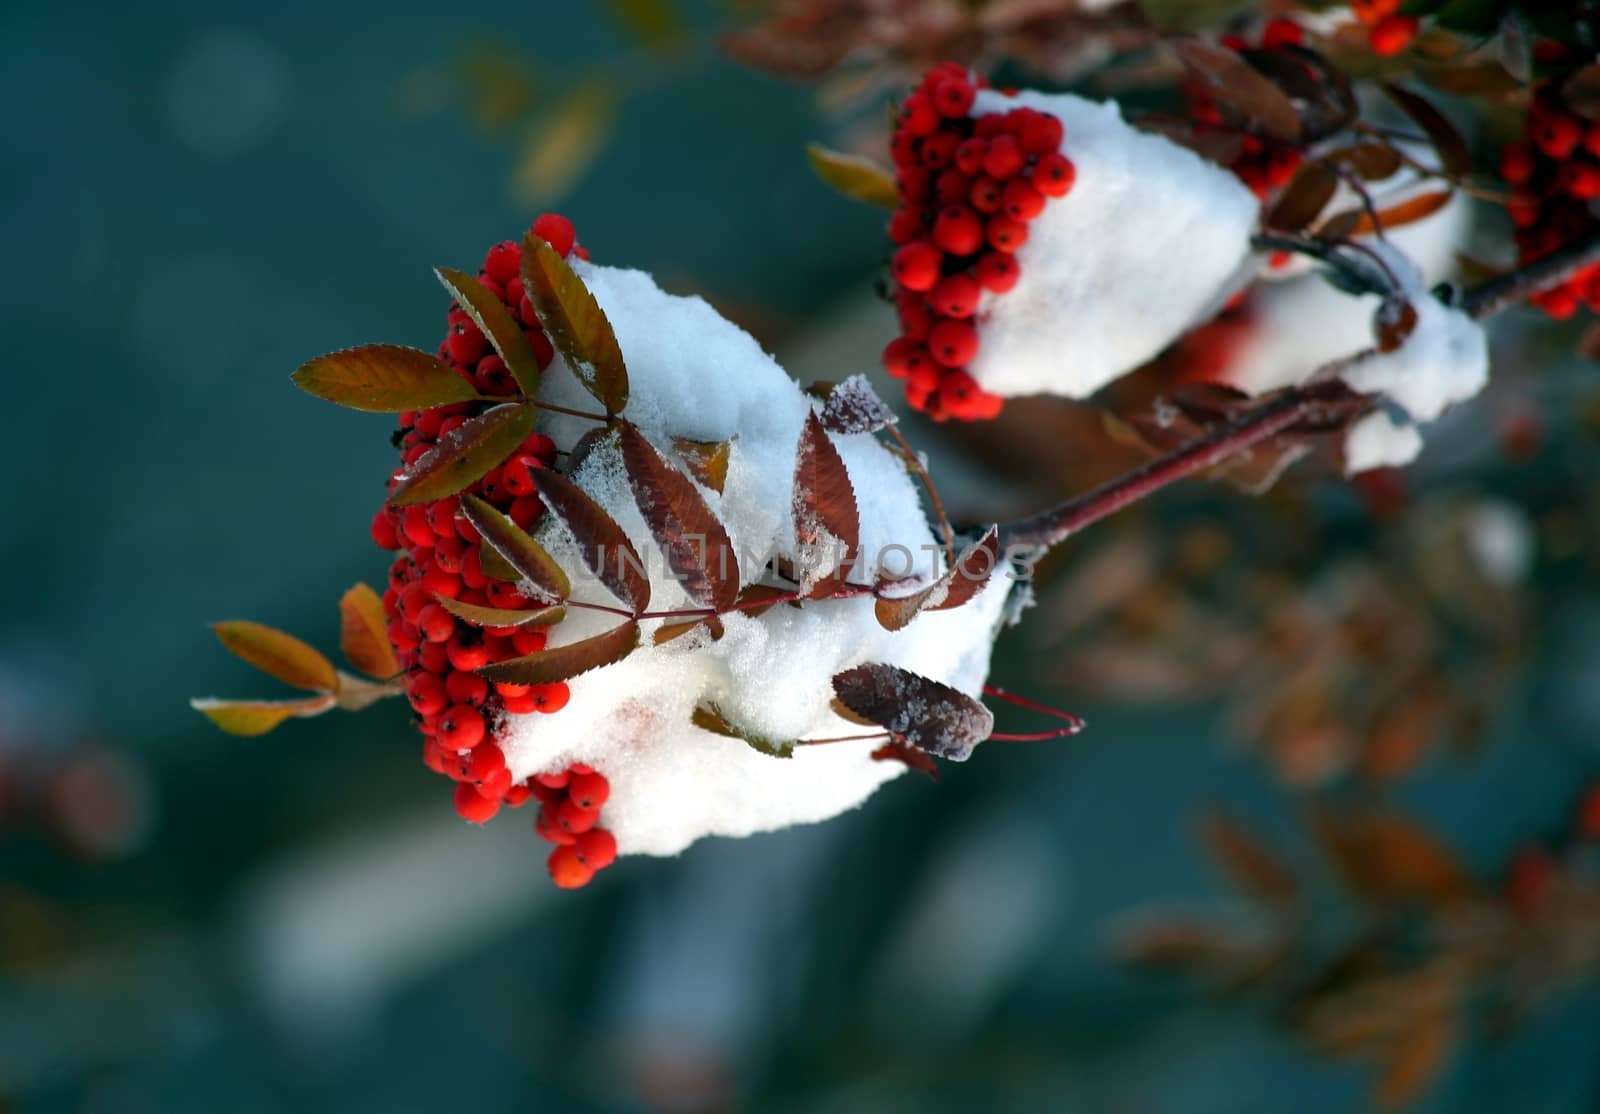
x,y
383,379
257,717
563,145
494,321
577,325
709,717
282,655
466,454
364,633
564,662
531,562
854,176
480,616
707,461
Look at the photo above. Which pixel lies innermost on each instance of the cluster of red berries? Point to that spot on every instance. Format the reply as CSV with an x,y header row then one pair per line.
x,y
1262,166
968,189
1555,177
1388,31
462,715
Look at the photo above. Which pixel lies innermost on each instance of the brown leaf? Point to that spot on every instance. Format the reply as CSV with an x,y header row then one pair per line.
x,y
1406,212
919,760
489,313
535,568
678,518
383,379
1414,1061
854,176
564,662
1372,160
707,461
1455,157
257,717
1589,342
826,522
1341,226
466,454
364,633
1248,863
709,717
923,712
1232,82
1328,104
756,600
577,325
1304,199
587,444
1387,857
1175,944
480,616
282,655
1581,92
668,632
960,582
605,549
854,407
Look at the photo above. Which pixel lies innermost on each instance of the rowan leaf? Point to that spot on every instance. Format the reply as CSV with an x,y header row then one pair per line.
x,y
707,461
541,576
826,521
854,176
919,760
364,633
669,632
854,407
281,655
709,717
605,549
756,600
1304,199
678,518
564,144
1231,81
1405,212
489,313
1413,1060
466,454
1372,160
1247,862
923,712
960,582
1455,157
257,717
577,325
383,379
480,616
565,662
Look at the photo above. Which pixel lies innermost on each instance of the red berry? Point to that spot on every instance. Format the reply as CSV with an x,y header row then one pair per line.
x,y
550,698
517,475
1005,234
939,151
952,187
427,694
1054,175
474,806
1021,201
953,343
433,657
957,230
916,266
918,116
969,156
597,848
1581,180
461,727
492,377
898,355
435,623
466,344
557,231
1394,33
985,196
954,96
998,271
589,791
466,655
567,870
1004,158
383,531
906,225
1282,32
418,530
528,640
503,261
466,688
956,296
547,827
442,516
573,817
1041,134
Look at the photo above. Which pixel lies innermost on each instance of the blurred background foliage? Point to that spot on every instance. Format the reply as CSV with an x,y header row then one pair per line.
x,y
202,196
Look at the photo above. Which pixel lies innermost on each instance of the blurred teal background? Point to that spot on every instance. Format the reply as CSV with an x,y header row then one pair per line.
x,y
199,198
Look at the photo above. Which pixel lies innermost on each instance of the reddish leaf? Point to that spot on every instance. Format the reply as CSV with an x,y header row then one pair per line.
x,y
1413,1061
1232,82
1372,160
564,662
826,521
854,176
541,576
363,633
1304,199
466,454
257,717
919,760
923,712
668,632
480,616
1406,212
709,717
756,600
577,325
692,537
1455,157
383,379
707,461
605,549
1247,862
489,313
854,407
960,583
282,655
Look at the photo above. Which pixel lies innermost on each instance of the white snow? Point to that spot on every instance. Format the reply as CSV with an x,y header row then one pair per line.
x,y
1378,441
697,376
1151,240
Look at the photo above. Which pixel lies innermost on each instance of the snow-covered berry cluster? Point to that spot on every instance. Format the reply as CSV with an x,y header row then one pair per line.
x,y
969,187
462,716
1264,167
1555,177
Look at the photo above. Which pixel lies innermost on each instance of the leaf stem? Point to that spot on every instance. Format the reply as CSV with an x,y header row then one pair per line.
x,y
921,469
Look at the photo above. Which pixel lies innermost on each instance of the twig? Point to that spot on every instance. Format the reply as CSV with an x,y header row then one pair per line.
x,y
916,464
